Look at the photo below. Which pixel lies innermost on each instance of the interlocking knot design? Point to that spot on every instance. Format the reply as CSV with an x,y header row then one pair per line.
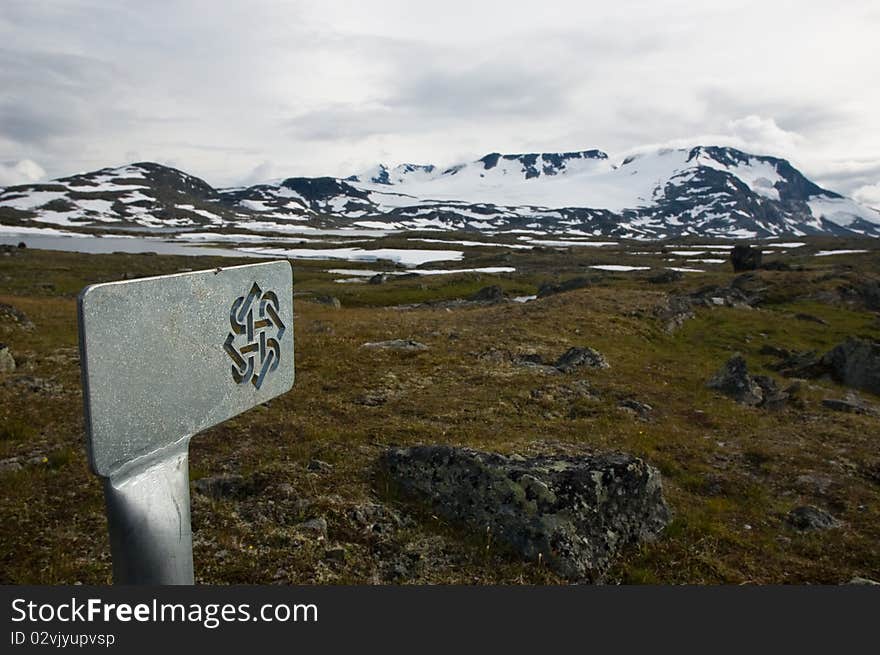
x,y
255,321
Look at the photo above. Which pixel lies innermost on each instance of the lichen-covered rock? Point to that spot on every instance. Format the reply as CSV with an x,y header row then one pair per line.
x,y
808,517
573,513
855,363
733,380
7,361
576,357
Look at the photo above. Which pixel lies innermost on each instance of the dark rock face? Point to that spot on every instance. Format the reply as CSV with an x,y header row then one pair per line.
x,y
733,380
745,258
855,363
808,517
576,357
574,513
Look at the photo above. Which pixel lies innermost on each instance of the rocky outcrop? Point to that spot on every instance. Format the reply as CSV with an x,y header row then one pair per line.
x,y
577,357
733,380
573,513
745,258
855,363
808,518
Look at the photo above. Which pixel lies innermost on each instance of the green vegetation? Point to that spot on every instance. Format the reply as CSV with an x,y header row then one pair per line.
x,y
731,472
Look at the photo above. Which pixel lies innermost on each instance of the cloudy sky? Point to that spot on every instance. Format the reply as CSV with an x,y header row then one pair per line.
x,y
240,92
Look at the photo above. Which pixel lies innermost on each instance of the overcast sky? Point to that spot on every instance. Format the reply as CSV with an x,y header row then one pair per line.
x,y
246,91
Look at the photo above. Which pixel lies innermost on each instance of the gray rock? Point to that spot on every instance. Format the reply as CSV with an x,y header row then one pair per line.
x,y
733,380
855,363
378,278
10,464
808,517
858,580
574,513
640,409
317,526
7,361
319,466
224,486
745,258
407,345
576,357
8,313
851,404
331,301
35,384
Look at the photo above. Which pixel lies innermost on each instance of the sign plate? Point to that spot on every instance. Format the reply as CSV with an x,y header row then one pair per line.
x,y
166,357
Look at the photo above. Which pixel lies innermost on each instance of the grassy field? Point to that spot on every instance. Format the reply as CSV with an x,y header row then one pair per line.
x,y
730,472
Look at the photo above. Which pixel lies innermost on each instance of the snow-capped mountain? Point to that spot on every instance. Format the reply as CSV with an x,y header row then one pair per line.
x,y
705,190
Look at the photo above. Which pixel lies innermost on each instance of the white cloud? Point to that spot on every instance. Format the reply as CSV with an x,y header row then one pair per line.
x,y
868,195
24,171
330,87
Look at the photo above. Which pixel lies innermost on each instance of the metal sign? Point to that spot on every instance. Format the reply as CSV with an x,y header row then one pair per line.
x,y
162,359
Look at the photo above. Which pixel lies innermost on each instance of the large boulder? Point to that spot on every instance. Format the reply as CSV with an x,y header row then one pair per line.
x,y
745,258
573,513
855,363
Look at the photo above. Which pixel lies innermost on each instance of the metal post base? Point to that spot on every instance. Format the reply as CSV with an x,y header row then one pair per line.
x,y
149,522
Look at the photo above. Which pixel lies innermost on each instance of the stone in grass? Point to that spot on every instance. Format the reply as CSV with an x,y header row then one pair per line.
x,y
7,361
733,380
405,345
808,517
851,404
331,301
317,526
573,513
576,357
855,363
225,486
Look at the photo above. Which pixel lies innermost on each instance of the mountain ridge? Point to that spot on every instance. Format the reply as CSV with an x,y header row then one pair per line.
x,y
712,191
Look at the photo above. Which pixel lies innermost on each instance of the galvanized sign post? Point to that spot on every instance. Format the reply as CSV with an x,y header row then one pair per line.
x,y
163,358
